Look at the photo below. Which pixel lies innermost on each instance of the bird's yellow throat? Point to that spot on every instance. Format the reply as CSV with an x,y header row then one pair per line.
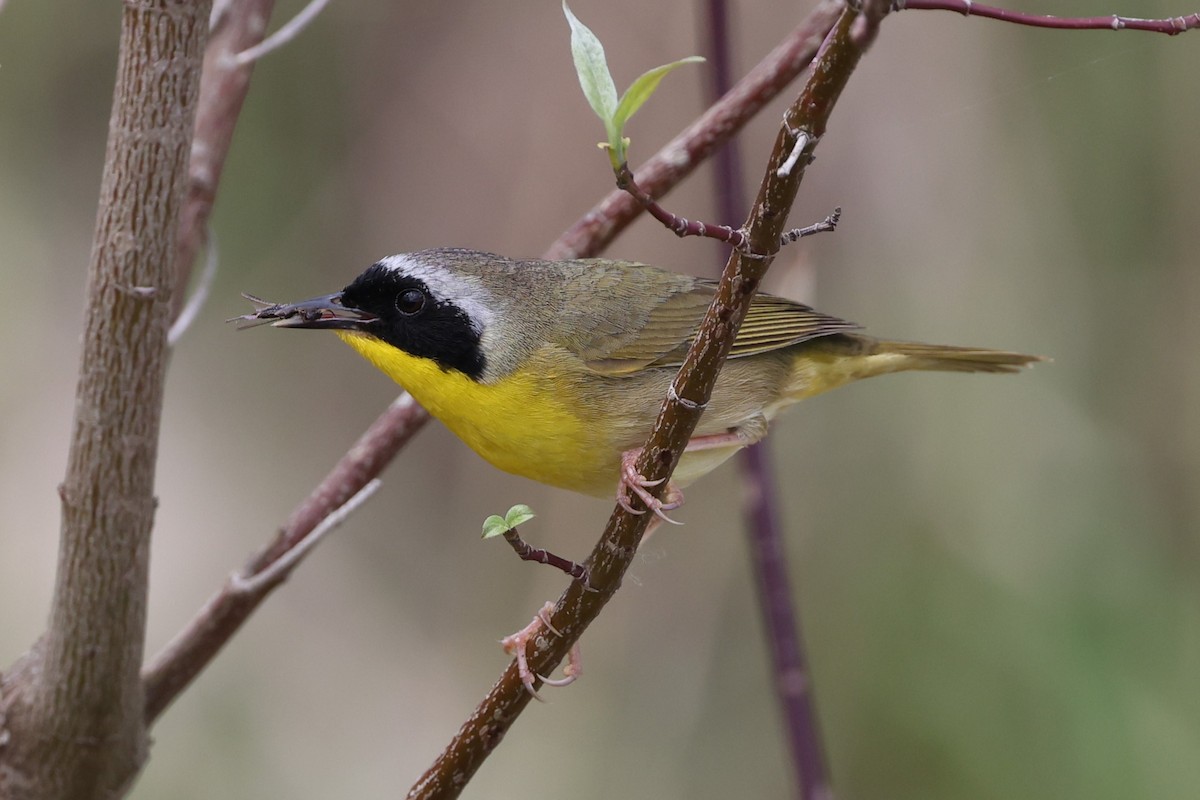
x,y
520,424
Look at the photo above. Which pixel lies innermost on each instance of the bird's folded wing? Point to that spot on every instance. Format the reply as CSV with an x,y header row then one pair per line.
x,y
671,325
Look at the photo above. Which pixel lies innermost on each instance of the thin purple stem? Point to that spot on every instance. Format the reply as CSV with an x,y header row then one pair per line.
x,y
527,552
680,226
1170,25
792,684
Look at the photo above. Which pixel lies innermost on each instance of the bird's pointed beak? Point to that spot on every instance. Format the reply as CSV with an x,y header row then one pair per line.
x,y
326,312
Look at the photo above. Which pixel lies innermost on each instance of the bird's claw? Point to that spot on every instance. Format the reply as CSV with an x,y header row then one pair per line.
x,y
515,644
633,482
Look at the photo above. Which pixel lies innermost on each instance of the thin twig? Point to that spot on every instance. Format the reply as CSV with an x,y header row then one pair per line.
x,y
1170,25
827,225
765,535
793,684
223,88
250,583
527,552
284,35
613,554
373,451
680,226
199,296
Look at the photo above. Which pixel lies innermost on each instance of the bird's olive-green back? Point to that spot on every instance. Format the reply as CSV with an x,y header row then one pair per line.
x,y
618,317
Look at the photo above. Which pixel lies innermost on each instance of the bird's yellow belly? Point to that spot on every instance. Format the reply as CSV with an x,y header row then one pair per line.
x,y
520,424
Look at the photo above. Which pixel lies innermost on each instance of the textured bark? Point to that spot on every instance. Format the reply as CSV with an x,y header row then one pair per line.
x,y
72,710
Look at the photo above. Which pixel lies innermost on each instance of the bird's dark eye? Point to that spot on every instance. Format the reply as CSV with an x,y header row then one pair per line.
x,y
410,302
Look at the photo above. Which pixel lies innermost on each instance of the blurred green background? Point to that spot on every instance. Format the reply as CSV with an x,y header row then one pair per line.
x,y
998,576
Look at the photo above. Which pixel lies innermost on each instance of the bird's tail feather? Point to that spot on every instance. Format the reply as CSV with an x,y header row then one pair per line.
x,y
915,355
832,361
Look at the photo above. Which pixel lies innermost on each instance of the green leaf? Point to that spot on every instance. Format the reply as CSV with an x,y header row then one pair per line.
x,y
498,526
600,90
519,515
641,89
495,526
592,68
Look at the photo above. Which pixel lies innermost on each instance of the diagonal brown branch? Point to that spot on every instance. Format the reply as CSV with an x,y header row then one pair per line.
x,y
193,648
689,393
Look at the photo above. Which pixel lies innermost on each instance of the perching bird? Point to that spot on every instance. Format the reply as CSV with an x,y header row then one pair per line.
x,y
556,370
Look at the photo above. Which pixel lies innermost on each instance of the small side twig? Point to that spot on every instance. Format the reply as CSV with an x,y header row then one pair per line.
x,y
827,225
250,583
527,552
734,237
223,89
680,226
199,296
1169,25
285,34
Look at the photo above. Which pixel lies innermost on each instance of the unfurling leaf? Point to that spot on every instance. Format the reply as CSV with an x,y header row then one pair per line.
x,y
641,89
592,68
496,525
601,91
518,515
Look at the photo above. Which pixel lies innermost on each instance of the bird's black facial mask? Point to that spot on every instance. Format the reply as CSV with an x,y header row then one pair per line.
x,y
406,314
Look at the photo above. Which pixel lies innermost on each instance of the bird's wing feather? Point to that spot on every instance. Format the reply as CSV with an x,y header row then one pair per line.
x,y
671,324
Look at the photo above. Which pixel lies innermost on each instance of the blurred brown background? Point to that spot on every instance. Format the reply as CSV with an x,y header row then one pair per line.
x,y
998,576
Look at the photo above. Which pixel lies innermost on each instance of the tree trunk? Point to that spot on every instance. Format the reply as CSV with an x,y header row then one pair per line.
x,y
71,714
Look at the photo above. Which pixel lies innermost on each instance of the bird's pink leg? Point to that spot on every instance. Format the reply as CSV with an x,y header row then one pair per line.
x,y
633,483
515,644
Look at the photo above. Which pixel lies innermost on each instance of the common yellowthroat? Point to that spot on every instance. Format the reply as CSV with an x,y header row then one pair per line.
x,y
556,370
